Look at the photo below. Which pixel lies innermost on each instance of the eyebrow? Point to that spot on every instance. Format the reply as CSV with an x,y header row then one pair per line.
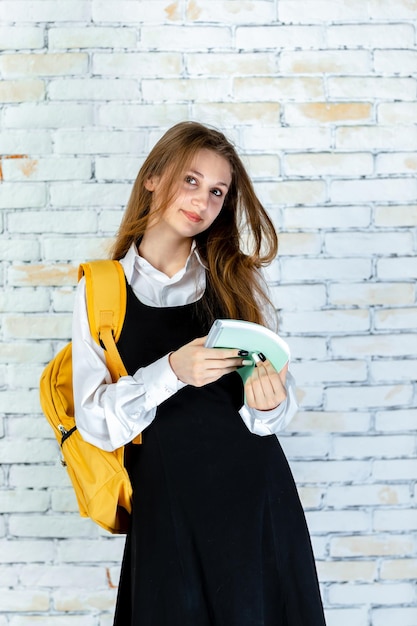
x,y
202,176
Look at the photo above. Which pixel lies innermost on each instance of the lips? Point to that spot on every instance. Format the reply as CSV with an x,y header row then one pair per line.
x,y
193,217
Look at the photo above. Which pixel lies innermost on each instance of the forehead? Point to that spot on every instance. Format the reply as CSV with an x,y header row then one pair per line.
x,y
211,165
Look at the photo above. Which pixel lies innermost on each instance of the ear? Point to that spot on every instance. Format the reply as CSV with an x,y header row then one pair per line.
x,y
150,183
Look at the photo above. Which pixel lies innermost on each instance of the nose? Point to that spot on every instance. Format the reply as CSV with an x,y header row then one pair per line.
x,y
201,199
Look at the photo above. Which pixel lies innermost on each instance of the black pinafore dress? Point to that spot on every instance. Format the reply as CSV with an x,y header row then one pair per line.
x,y
218,535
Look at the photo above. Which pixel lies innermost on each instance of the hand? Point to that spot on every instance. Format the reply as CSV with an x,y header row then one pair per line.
x,y
196,365
265,387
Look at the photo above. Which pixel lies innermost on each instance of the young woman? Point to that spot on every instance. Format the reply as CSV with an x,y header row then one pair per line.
x,y
218,535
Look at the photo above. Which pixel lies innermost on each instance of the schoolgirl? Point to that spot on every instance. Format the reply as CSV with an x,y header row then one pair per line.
x,y
218,535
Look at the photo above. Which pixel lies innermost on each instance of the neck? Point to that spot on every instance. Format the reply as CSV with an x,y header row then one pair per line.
x,y
167,256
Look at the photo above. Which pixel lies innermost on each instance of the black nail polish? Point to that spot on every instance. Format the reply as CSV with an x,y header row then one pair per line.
x,y
243,353
261,356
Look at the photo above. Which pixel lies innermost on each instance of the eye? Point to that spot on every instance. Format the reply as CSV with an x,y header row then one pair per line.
x,y
217,192
190,180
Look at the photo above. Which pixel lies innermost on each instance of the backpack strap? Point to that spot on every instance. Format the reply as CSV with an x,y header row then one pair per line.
x,y
106,307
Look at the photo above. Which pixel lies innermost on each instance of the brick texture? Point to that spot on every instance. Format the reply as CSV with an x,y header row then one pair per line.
x,y
320,98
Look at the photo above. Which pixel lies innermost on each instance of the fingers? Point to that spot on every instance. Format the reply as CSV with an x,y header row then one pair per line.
x,y
219,353
217,358
199,341
224,364
211,375
283,374
265,388
197,365
223,353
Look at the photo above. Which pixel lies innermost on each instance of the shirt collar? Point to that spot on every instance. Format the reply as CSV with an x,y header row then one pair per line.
x,y
197,255
133,260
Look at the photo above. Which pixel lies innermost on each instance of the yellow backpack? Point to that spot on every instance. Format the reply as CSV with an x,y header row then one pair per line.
x,y
99,478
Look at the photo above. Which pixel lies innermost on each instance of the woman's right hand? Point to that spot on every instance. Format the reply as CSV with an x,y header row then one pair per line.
x,y
196,365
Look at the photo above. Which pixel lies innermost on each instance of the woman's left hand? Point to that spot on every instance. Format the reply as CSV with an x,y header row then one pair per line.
x,y
265,388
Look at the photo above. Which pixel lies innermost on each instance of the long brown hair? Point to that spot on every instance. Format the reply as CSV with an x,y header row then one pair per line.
x,y
243,224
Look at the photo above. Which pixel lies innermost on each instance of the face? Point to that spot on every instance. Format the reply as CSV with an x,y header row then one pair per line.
x,y
199,198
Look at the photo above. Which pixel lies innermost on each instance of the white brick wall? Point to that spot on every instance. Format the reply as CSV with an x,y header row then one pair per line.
x,y
320,98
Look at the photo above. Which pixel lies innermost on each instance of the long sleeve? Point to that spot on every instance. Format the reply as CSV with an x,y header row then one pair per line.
x,y
107,414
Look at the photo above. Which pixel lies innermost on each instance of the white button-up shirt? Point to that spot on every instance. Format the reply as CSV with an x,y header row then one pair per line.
x,y
110,415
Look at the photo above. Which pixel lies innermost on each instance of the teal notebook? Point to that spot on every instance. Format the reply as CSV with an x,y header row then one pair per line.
x,y
251,337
